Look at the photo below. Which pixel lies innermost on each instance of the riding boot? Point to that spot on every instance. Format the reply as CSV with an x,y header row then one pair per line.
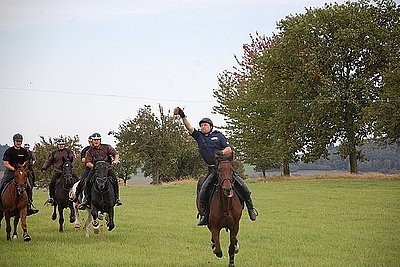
x,y
118,202
30,200
87,199
244,193
52,191
203,214
204,197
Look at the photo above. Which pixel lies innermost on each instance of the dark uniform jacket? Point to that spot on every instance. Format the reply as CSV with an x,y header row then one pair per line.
x,y
56,159
103,152
209,144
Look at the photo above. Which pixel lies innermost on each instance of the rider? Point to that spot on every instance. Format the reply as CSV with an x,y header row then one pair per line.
x,y
210,142
31,162
81,184
12,156
56,159
100,151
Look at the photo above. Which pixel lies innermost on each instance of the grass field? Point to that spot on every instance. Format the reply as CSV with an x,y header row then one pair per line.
x,y
311,222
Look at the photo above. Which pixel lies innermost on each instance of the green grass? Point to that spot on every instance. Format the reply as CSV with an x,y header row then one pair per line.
x,y
325,222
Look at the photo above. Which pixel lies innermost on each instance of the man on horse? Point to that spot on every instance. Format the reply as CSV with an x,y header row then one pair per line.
x,y
210,142
56,159
31,161
81,184
12,157
107,153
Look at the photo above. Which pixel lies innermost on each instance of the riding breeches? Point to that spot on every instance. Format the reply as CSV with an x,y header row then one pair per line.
x,y
52,186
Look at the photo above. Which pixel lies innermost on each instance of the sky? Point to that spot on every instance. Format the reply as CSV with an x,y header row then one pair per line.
x,y
78,67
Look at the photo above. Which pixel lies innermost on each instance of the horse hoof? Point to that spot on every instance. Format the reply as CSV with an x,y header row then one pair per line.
x,y
15,237
27,238
96,231
77,225
219,254
54,217
110,227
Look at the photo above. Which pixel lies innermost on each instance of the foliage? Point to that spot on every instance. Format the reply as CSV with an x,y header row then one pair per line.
x,y
311,84
45,147
159,145
3,149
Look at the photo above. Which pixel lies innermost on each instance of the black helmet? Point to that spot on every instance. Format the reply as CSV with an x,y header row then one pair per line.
x,y
90,138
27,146
17,137
207,120
96,136
60,142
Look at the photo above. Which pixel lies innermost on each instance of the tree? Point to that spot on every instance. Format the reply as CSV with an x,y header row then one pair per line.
x,y
159,145
310,85
45,147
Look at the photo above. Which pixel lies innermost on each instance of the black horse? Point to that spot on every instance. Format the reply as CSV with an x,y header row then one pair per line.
x,y
102,194
61,197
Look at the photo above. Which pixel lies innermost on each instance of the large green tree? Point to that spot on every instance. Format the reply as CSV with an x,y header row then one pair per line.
x,y
159,145
310,85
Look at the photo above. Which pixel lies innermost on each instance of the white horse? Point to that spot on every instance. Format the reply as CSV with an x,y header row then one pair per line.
x,y
89,219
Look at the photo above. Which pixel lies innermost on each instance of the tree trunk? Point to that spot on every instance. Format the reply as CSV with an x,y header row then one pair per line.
x,y
353,163
286,169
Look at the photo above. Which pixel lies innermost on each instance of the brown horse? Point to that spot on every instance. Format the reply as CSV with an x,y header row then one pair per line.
x,y
14,202
225,209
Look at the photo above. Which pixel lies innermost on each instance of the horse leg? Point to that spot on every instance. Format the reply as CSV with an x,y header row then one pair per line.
x,y
87,223
72,215
216,242
24,226
15,232
8,226
95,222
77,223
54,215
110,223
233,246
60,218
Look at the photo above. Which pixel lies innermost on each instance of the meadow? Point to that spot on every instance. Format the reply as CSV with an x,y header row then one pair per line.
x,y
302,222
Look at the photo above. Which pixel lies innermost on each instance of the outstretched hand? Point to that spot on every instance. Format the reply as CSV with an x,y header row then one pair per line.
x,y
179,111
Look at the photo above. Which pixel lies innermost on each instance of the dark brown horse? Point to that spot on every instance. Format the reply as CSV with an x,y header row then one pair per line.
x,y
225,209
15,203
61,197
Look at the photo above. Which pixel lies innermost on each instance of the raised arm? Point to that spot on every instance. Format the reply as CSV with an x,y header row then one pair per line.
x,y
188,126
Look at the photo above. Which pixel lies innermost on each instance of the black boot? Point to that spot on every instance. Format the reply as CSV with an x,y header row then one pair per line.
x,y
52,189
118,202
203,214
244,193
31,210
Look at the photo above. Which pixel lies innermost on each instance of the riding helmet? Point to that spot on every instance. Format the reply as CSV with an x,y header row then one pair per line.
x,y
206,120
17,137
96,136
60,142
90,138
27,146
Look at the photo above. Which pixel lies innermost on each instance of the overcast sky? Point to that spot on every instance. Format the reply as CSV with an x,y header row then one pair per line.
x,y
78,67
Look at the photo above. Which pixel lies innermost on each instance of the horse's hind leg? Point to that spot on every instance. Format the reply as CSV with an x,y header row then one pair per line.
x,y
8,227
72,215
24,227
110,223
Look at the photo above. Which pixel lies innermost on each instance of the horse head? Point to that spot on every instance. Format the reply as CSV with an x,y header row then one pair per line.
x,y
67,170
20,178
225,173
101,168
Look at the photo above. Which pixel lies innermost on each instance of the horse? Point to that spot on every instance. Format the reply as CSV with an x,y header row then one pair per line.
x,y
15,202
102,195
61,196
225,209
89,219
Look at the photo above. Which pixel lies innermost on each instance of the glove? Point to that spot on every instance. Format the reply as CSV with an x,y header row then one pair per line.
x,y
179,111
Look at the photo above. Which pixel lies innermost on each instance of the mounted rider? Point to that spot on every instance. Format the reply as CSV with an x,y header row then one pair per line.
x,y
95,152
210,142
56,159
12,157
